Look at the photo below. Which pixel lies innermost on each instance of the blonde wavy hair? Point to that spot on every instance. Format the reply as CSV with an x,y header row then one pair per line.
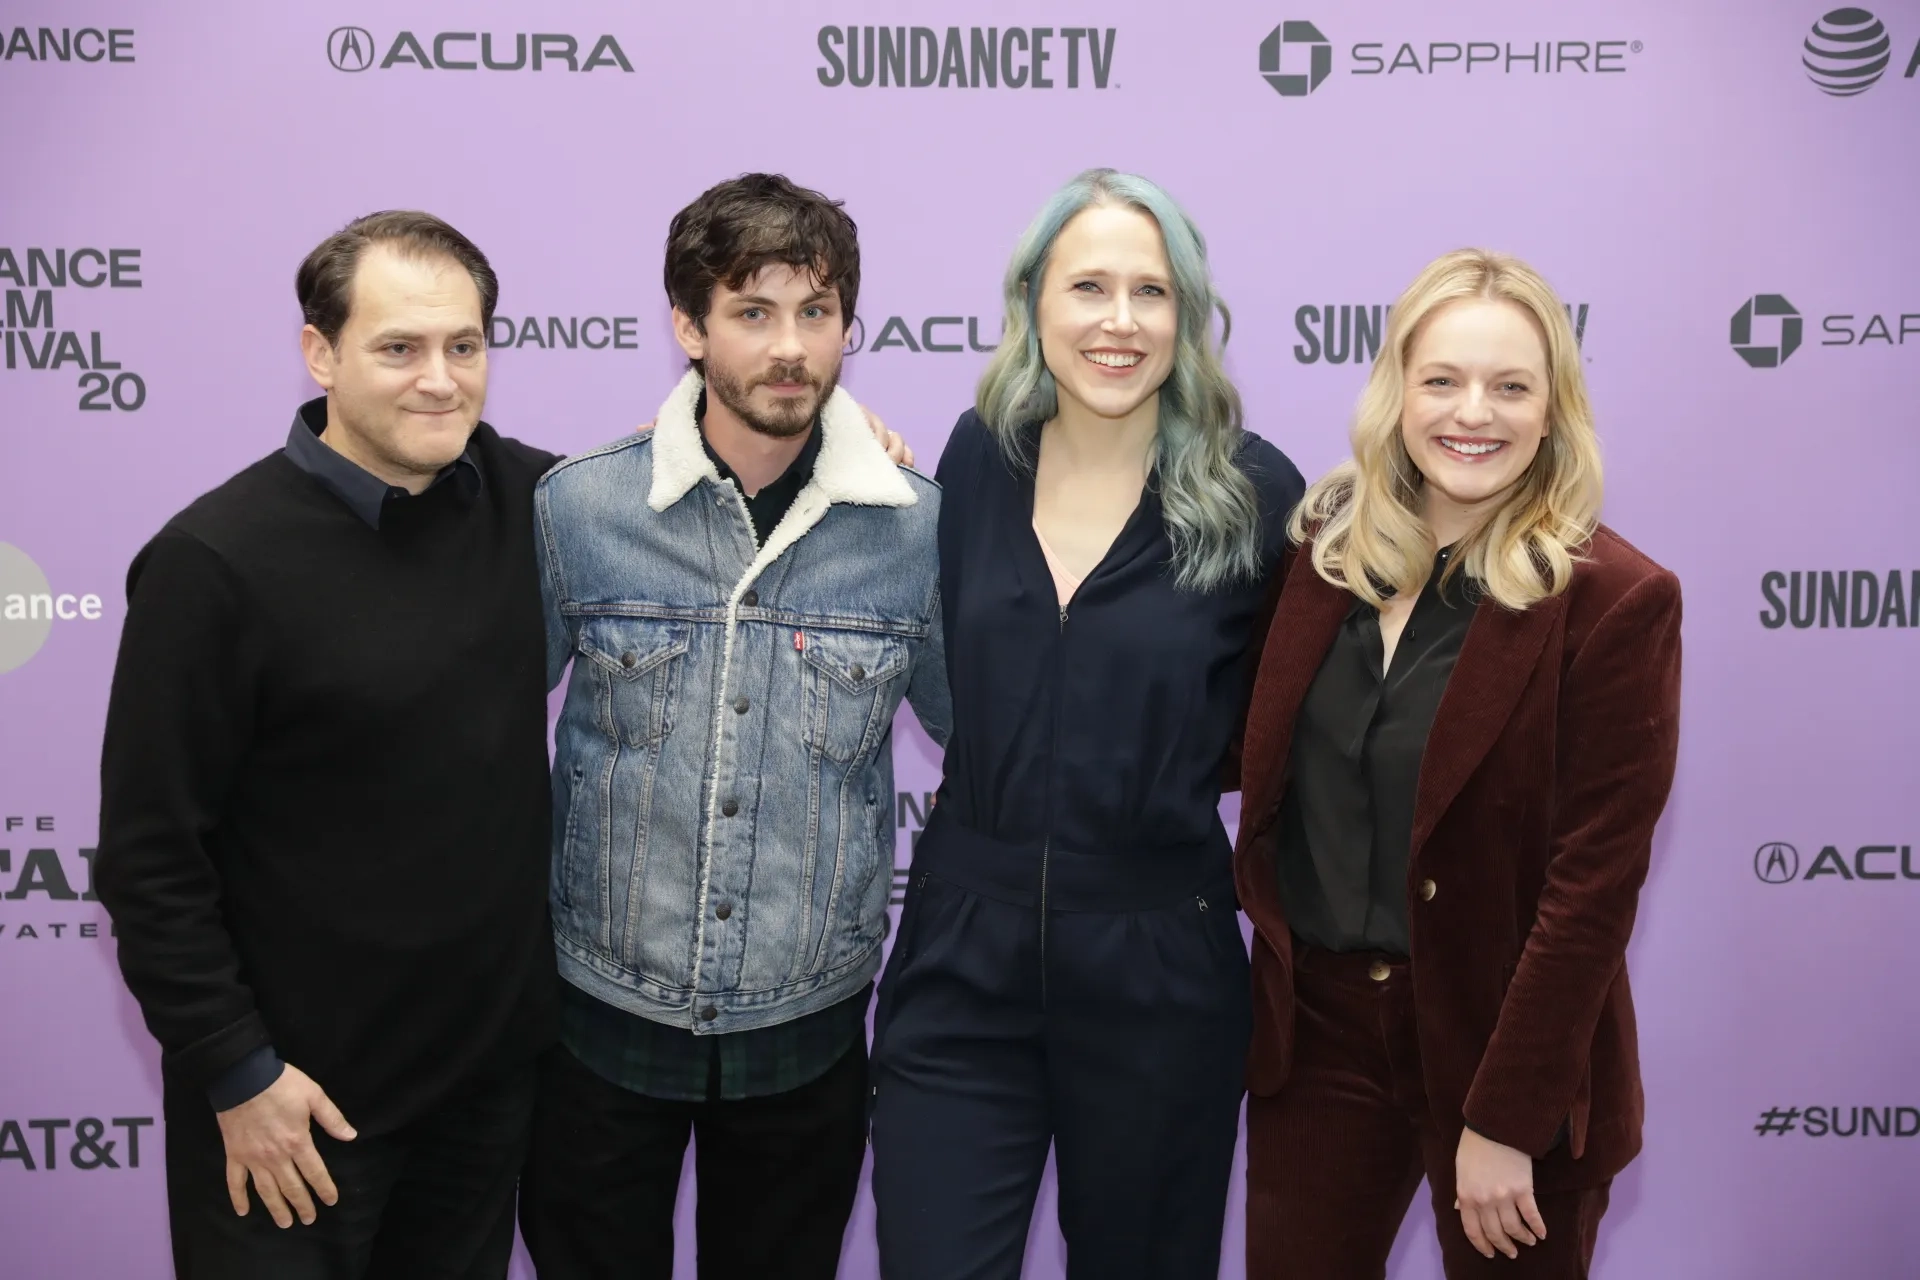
x,y
1364,515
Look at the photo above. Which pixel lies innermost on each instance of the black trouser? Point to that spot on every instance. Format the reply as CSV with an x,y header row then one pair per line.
x,y
430,1201
1122,1044
777,1177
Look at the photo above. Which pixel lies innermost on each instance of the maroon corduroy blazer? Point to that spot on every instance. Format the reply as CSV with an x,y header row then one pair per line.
x,y
1548,764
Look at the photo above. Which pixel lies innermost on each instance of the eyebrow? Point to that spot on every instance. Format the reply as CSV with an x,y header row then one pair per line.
x,y
1443,366
755,300
1105,273
406,335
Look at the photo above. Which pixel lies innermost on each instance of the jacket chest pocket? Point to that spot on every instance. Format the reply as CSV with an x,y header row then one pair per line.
x,y
848,679
637,661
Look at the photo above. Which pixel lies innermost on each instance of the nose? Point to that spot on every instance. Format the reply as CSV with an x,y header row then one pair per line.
x,y
1475,408
1120,321
787,348
436,379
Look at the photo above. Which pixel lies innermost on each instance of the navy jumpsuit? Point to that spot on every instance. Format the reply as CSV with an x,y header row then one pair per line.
x,y
1069,967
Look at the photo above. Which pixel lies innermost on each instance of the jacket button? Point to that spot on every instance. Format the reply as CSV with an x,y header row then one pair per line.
x,y
750,599
1427,889
1379,972
709,1013
627,660
740,704
722,911
858,673
728,808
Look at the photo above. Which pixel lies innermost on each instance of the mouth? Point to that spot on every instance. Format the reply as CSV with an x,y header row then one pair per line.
x,y
1468,449
788,386
1113,361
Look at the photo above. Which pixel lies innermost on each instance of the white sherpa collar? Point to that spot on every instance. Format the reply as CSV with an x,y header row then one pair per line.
x,y
851,468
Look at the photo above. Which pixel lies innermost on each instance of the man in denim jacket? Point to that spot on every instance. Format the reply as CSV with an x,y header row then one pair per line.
x,y
745,594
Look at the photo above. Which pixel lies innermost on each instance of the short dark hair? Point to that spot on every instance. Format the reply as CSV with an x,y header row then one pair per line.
x,y
324,284
746,224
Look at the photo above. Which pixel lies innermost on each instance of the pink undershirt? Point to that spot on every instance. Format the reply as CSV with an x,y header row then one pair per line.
x,y
1064,582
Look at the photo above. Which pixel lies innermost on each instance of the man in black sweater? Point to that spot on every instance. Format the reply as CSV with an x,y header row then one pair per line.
x,y
324,800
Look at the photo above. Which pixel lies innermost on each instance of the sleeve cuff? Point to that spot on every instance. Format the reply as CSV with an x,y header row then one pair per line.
x,y
1559,1136
245,1079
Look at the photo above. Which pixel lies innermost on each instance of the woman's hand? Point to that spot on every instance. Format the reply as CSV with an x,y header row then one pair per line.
x,y
1493,1186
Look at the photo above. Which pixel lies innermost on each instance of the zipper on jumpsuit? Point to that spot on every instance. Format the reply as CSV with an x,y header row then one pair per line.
x,y
1046,842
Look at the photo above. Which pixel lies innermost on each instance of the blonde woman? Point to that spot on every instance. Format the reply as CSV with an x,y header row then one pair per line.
x,y
1461,736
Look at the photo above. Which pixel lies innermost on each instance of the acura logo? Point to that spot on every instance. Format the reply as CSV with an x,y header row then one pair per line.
x,y
350,48
1776,863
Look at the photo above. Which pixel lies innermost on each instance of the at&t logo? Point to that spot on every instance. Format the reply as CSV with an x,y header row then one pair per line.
x,y
1848,51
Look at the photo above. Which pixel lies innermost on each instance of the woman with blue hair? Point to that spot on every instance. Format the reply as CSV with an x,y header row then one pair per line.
x,y
1070,971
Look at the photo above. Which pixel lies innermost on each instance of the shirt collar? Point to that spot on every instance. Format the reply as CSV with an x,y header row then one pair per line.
x,y
365,494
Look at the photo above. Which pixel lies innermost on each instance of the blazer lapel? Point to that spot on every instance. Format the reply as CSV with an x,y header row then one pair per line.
x,y
1496,661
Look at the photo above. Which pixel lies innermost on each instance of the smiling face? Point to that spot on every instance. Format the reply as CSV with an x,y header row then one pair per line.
x,y
407,379
771,348
1106,315
1476,407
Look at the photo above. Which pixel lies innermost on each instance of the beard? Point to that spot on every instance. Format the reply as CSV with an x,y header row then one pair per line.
x,y
791,415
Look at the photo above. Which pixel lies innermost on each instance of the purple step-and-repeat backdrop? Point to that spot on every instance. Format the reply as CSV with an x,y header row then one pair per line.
x,y
1724,192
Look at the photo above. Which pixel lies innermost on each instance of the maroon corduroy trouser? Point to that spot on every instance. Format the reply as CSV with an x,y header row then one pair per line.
x,y
1334,1158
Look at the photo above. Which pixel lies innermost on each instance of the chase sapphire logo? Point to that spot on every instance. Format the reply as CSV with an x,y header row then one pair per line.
x,y
1847,52
1305,39
1776,863
1762,355
350,48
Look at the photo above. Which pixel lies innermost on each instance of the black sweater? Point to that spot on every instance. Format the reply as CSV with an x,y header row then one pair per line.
x,y
324,800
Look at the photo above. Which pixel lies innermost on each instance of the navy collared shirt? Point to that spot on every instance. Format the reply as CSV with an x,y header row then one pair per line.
x,y
365,494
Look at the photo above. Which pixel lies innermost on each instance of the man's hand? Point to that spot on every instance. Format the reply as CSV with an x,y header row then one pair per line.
x,y
269,1138
1494,1189
897,451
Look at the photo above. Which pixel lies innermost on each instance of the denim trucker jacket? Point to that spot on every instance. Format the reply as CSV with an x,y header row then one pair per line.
x,y
723,769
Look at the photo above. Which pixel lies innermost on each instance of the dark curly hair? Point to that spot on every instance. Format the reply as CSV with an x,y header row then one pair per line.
x,y
746,224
